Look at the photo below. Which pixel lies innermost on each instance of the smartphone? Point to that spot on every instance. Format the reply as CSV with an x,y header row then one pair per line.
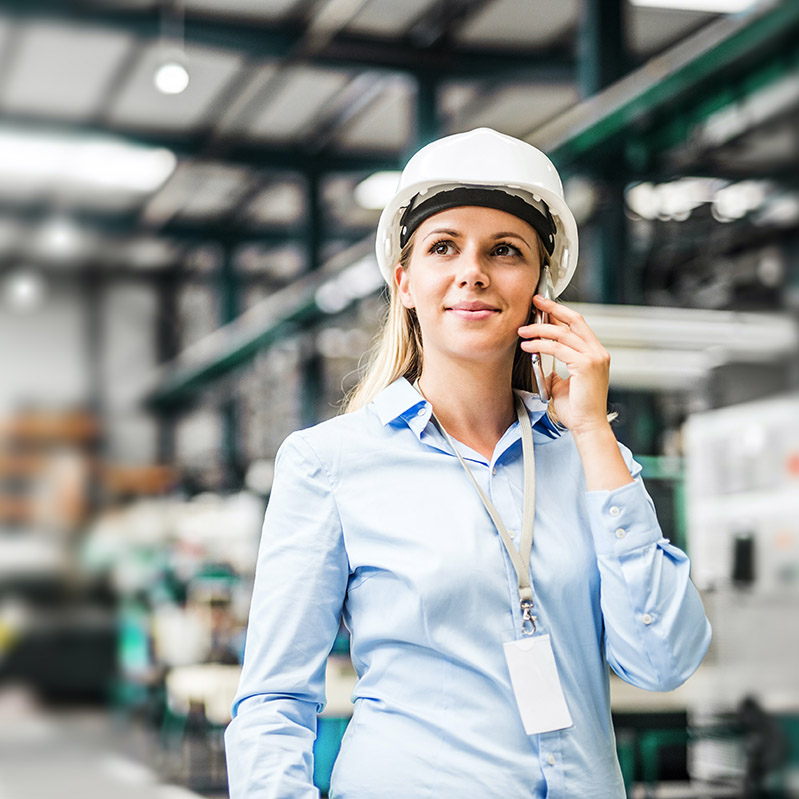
x,y
545,289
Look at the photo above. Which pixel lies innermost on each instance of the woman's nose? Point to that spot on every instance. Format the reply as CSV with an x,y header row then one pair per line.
x,y
471,270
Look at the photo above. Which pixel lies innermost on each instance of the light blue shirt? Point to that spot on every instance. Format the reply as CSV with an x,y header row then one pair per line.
x,y
371,516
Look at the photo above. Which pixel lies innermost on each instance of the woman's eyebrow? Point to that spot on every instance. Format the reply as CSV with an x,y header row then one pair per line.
x,y
511,235
444,232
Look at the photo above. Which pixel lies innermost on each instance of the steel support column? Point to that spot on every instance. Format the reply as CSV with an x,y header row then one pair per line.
x,y
426,121
167,348
229,408
312,366
602,60
602,49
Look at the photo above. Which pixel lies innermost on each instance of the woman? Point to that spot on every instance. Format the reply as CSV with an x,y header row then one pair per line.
x,y
483,670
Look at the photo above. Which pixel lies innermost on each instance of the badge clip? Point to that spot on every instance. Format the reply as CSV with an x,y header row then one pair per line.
x,y
528,620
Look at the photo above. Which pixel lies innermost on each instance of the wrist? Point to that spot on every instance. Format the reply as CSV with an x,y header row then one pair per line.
x,y
599,428
603,463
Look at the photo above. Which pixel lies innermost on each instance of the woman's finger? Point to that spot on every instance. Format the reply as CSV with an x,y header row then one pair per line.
x,y
573,358
559,312
560,333
562,352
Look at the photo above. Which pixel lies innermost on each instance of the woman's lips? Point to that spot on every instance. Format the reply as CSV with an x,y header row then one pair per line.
x,y
472,311
465,313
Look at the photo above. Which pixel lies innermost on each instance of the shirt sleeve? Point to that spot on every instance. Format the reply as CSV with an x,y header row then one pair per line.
x,y
656,631
300,581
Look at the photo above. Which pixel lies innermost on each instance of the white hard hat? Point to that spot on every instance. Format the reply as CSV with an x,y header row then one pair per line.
x,y
482,160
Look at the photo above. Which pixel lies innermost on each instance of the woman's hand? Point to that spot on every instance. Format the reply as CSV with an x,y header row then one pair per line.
x,y
580,401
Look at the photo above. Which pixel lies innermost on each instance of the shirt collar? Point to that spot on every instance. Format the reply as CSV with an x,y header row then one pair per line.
x,y
396,400
401,401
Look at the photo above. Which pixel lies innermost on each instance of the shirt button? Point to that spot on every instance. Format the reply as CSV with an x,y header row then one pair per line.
x,y
646,618
420,412
494,470
614,510
621,532
551,760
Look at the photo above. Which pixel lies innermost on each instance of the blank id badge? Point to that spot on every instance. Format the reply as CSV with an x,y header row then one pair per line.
x,y
536,685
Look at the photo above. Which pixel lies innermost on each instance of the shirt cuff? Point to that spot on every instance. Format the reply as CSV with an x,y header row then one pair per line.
x,y
622,520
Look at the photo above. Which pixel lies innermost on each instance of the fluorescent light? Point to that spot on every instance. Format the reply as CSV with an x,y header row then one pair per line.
x,y
707,6
60,237
24,290
729,335
117,164
658,369
171,78
49,160
375,191
678,198
738,199
673,200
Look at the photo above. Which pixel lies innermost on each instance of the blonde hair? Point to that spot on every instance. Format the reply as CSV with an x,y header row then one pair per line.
x,y
398,350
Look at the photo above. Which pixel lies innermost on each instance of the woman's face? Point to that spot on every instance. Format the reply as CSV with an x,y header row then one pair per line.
x,y
471,278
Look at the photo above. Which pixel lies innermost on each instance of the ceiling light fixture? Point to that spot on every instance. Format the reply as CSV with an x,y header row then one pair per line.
x,y
738,199
706,6
24,290
171,76
674,200
38,160
375,191
60,237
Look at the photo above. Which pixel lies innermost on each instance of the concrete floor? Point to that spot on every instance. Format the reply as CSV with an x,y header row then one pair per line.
x,y
90,754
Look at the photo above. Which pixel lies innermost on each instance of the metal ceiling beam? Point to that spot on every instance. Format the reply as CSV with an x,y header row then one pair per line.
x,y
765,96
256,40
653,95
185,233
249,155
439,23
355,98
535,65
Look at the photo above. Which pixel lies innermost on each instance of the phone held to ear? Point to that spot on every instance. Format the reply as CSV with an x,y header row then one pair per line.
x,y
545,289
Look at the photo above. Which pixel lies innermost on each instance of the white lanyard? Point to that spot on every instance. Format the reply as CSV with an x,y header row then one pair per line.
x,y
521,557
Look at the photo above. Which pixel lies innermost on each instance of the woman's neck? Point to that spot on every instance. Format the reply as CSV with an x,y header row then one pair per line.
x,y
474,405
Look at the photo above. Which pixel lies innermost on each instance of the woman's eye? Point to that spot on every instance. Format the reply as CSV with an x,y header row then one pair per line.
x,y
504,250
440,248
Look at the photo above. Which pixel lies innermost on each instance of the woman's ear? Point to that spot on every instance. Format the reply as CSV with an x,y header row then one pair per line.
x,y
403,286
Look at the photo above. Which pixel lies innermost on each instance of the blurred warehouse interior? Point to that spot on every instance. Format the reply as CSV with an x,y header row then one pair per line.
x,y
188,196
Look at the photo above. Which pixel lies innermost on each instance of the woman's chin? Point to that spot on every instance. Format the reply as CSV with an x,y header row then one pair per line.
x,y
482,354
